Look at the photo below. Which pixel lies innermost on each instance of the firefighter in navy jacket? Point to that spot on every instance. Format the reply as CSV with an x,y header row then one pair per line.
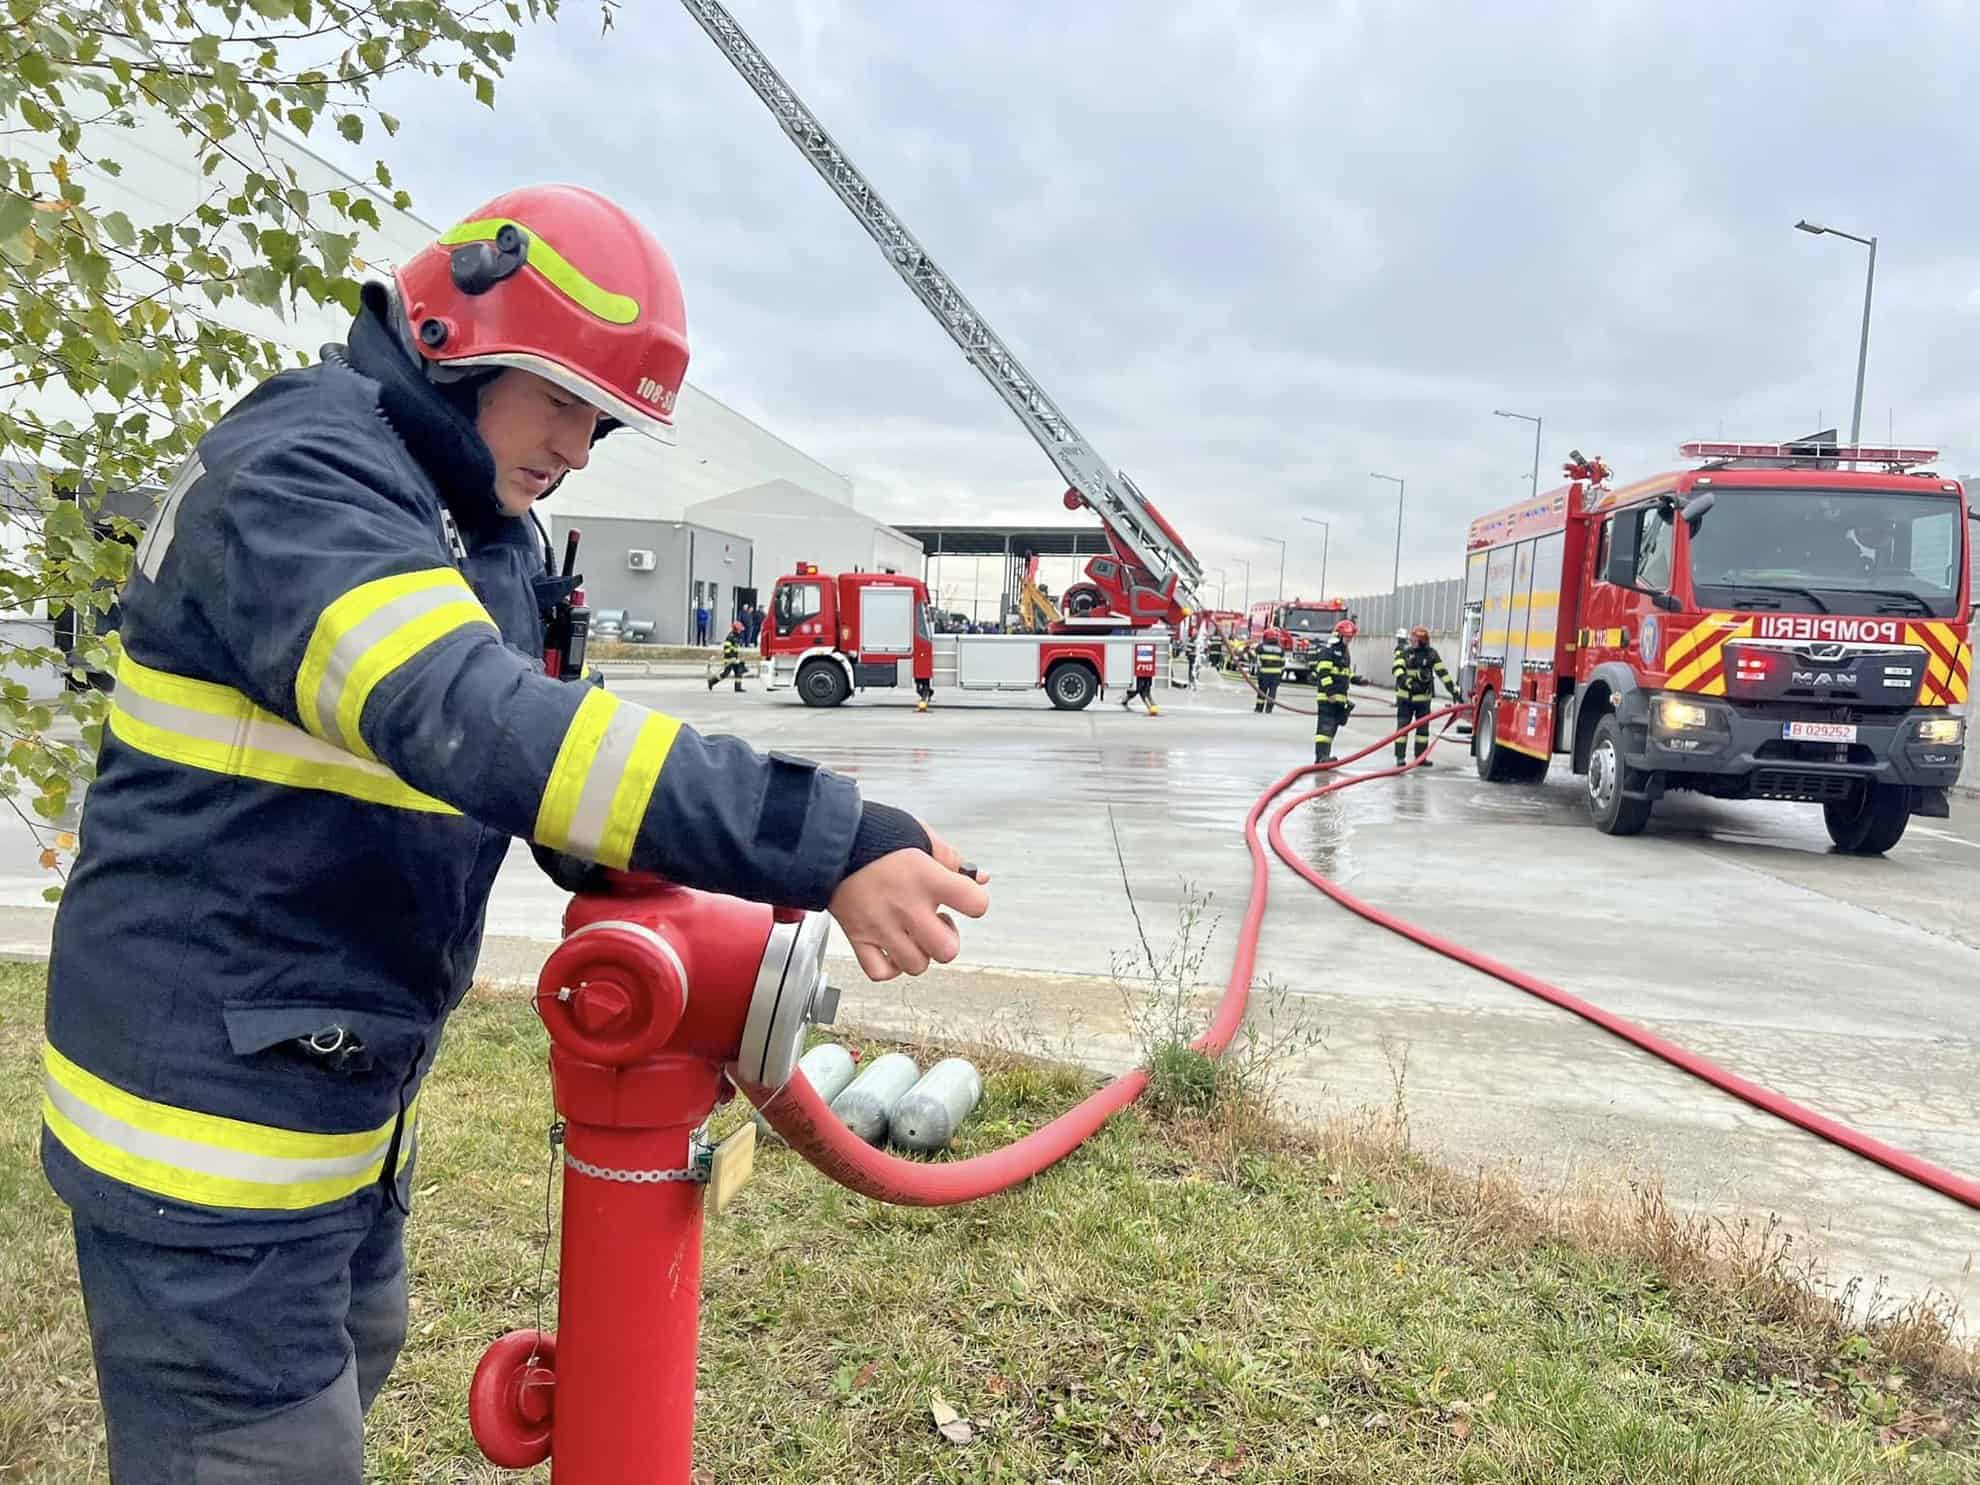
x,y
1271,670
732,660
331,719
1333,673
1416,665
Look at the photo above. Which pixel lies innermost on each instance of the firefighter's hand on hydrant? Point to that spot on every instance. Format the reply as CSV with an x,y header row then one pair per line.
x,y
892,911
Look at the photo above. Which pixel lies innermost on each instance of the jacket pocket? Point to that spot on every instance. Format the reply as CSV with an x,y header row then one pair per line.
x,y
335,1038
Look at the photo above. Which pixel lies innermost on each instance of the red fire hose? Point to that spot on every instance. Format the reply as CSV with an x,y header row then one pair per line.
x,y
1911,1167
806,1122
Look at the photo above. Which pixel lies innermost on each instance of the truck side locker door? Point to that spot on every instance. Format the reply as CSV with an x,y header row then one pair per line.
x,y
1606,604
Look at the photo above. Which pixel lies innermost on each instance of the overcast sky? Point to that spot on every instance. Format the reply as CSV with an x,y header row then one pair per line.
x,y
1258,251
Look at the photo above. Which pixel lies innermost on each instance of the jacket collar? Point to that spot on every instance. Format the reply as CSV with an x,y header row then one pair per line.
x,y
433,425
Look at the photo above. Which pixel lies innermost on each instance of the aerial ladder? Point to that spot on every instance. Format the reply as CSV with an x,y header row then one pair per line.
x,y
1152,575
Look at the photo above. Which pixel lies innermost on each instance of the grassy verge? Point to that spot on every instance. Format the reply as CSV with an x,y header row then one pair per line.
x,y
613,649
1203,1296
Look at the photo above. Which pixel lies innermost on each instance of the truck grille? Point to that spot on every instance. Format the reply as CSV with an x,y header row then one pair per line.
x,y
1802,785
1781,750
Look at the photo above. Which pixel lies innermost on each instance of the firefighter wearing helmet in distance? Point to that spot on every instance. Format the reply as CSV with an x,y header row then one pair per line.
x,y
333,718
1333,673
1271,669
1416,664
732,660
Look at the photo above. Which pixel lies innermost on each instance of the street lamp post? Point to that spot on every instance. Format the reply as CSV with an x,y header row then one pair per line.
x,y
1282,566
1223,598
1395,582
1815,229
1247,586
1527,418
1326,540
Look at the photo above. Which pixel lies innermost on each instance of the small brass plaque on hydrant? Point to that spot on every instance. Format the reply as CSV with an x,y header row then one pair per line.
x,y
730,1166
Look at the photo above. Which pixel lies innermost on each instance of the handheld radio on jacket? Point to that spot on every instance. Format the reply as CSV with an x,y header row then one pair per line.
x,y
566,619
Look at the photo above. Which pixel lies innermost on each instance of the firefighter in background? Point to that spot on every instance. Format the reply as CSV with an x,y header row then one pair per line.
x,y
1271,670
1418,667
1333,673
1144,680
732,660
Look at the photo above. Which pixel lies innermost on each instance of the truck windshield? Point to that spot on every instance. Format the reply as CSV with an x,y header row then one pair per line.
x,y
1851,551
1312,620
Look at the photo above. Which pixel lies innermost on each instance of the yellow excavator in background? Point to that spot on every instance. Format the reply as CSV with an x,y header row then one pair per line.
x,y
1036,610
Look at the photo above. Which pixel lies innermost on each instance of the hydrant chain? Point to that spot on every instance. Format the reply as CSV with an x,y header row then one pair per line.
x,y
633,1177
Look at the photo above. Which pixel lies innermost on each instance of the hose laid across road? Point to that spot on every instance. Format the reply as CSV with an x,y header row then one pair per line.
x,y
807,1123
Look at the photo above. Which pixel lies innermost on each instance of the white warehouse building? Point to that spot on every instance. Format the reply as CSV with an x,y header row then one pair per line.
x,y
725,477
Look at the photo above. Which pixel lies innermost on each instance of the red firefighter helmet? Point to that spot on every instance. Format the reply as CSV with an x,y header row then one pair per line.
x,y
1346,629
1419,635
559,281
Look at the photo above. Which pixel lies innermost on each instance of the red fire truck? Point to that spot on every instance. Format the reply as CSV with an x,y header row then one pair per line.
x,y
1768,625
1303,623
1213,624
830,635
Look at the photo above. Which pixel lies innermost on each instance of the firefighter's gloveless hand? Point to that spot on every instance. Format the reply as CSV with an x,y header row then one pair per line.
x,y
891,910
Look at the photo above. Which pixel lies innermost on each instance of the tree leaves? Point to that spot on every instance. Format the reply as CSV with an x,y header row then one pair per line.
x,y
120,338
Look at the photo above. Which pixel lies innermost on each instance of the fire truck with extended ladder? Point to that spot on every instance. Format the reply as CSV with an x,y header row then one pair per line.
x,y
831,634
1766,625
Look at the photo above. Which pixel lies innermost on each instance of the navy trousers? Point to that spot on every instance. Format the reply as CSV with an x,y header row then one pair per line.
x,y
226,1365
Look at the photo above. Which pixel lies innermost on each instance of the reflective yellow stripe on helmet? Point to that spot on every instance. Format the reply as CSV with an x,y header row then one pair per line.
x,y
562,274
369,632
607,766
212,727
205,1158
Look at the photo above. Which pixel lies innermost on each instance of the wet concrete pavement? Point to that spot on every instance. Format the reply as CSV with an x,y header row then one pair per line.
x,y
1851,985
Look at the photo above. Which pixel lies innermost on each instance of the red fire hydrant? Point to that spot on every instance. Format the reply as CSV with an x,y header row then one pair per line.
x,y
654,993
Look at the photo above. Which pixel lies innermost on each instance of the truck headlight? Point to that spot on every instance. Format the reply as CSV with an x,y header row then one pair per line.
x,y
1945,732
1673,715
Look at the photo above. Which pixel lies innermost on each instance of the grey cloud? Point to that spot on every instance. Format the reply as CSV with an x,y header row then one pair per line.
x,y
1256,251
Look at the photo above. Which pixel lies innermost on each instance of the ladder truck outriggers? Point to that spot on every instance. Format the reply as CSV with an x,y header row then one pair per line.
x,y
1768,624
831,634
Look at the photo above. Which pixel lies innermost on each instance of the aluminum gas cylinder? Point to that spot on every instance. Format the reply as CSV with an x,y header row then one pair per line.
x,y
828,1067
867,1104
929,1114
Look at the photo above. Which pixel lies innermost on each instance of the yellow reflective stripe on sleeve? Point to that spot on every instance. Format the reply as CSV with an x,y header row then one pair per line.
x,y
394,650
562,274
365,634
203,725
635,791
607,767
205,1158
565,786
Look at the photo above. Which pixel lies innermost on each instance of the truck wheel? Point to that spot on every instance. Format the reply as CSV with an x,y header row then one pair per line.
x,y
822,683
1872,822
1071,686
1613,812
1493,762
